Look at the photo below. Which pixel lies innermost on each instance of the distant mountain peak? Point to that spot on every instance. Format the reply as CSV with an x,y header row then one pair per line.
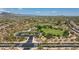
x,y
7,14
4,13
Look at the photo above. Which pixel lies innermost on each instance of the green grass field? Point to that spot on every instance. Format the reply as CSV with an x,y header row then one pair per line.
x,y
53,31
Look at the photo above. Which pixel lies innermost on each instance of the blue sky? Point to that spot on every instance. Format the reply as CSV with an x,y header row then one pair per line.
x,y
43,11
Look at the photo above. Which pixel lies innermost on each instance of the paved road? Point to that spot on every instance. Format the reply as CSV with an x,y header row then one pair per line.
x,y
28,45
24,45
75,28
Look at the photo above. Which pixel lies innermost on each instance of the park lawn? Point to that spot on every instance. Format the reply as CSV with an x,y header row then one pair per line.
x,y
53,31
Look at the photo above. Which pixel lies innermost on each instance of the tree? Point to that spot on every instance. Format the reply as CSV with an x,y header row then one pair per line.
x,y
44,26
39,27
48,36
66,33
50,26
43,33
58,36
